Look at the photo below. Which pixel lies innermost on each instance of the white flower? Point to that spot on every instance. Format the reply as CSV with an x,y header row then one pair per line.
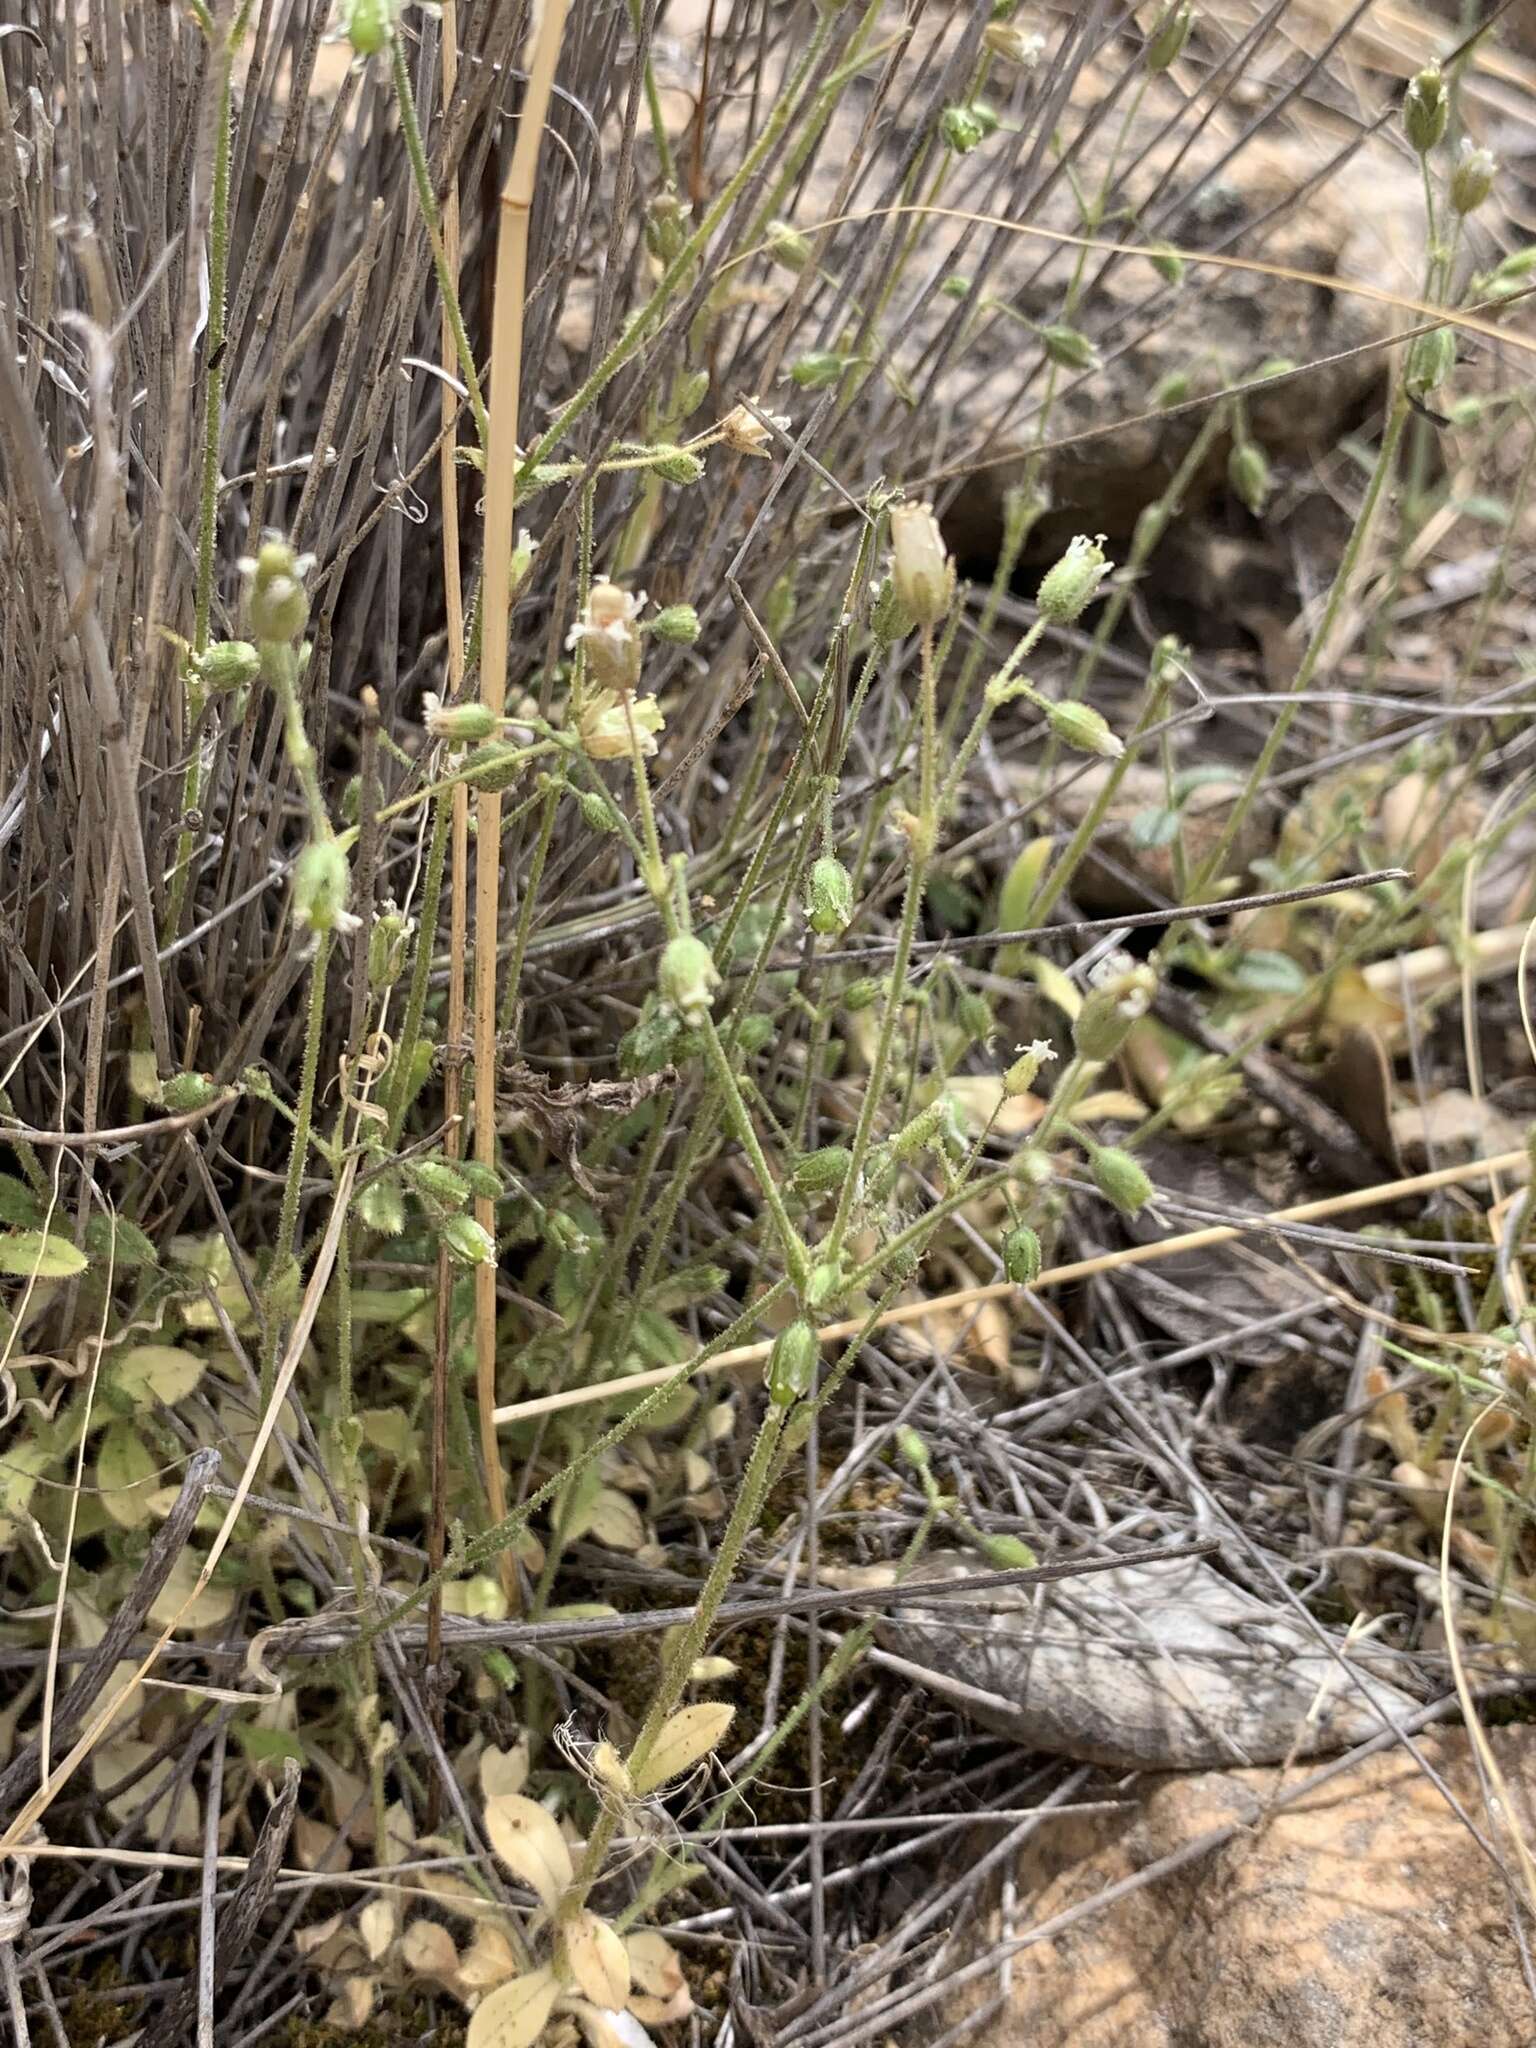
x,y
604,724
746,433
607,630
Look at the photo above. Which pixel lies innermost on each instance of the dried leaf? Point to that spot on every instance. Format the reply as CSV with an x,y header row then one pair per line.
x,y
353,2004
378,1923
489,1960
427,1950
597,1961
685,1739
528,1840
503,1770
655,1967
513,2015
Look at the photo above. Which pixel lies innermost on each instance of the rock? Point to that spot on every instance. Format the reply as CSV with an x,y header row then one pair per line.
x,y
1363,223
1144,1667
1364,1914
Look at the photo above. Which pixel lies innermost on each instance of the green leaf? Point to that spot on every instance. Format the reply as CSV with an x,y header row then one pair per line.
x,y
1154,827
18,1205
1271,974
267,1745
33,1255
115,1239
689,1284
20,1468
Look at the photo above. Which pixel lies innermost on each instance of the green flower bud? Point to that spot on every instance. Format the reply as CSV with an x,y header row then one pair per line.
x,y
955,287
1472,179
1275,366
677,465
911,1449
1248,473
381,1205
677,623
787,246
1032,1167
829,896
1008,1553
691,392
370,23
227,665
818,1173
973,1013
1121,1179
1170,390
825,1284
596,811
483,1181
1109,1010
1167,40
1426,109
278,603
862,994
466,1242
386,950
1067,590
1431,359
687,978
666,226
1021,1256
651,1044
1069,347
321,885
1020,1077
755,1033
1082,728
495,765
1466,412
458,724
1168,264
437,1182
818,368
963,129
792,1364
183,1092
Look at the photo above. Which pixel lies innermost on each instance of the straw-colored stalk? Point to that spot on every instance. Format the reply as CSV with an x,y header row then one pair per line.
x,y
500,506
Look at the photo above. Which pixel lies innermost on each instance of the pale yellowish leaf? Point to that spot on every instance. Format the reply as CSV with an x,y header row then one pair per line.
x,y
614,1521
160,1372
504,1770
378,1924
478,1599
489,1960
513,2015
427,1950
685,1740
655,1966
528,1840
353,2004
213,1605
597,1961
126,1472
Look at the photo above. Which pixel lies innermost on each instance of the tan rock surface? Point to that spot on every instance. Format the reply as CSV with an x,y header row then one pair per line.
x,y
1364,1916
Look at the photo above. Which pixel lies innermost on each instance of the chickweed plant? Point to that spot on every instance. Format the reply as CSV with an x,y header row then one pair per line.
x,y
558,724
